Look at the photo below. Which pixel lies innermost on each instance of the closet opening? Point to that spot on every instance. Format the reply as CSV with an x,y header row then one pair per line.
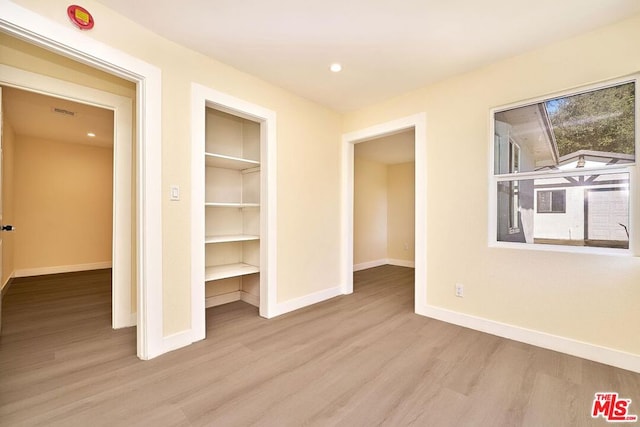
x,y
233,224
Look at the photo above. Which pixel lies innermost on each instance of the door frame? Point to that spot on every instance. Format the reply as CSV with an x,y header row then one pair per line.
x,y
121,106
418,122
202,97
72,43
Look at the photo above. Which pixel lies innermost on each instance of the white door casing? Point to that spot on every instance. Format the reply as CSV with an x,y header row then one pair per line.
x,y
202,97
72,43
418,122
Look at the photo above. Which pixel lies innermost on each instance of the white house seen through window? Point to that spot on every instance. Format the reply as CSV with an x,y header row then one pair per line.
x,y
562,168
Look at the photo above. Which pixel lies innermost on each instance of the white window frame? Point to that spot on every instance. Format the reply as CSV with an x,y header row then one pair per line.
x,y
631,168
514,190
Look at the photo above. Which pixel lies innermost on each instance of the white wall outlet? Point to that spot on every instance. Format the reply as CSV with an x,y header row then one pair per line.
x,y
459,290
406,246
174,193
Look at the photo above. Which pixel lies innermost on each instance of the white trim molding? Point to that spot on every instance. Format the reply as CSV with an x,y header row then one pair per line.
x,y
401,263
72,43
418,122
5,285
175,341
304,301
216,300
385,261
41,271
370,264
576,348
202,97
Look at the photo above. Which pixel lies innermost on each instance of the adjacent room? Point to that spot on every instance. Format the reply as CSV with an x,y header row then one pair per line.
x,y
383,202
320,214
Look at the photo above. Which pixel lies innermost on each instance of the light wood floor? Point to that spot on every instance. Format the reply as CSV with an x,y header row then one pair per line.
x,y
358,360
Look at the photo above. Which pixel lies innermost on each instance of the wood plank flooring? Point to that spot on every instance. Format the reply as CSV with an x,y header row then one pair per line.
x,y
358,360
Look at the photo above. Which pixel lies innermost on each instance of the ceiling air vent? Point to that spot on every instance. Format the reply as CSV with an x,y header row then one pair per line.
x,y
64,112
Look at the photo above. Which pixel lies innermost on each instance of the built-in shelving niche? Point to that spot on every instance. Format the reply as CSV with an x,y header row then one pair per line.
x,y
232,209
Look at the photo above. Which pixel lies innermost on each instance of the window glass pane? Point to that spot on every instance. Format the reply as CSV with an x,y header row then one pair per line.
x,y
558,201
591,129
544,201
587,210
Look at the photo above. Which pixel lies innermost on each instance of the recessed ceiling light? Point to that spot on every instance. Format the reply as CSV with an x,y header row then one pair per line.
x,y
336,68
91,134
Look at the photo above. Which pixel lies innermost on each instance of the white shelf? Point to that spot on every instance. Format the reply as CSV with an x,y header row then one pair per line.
x,y
228,162
229,270
230,238
231,205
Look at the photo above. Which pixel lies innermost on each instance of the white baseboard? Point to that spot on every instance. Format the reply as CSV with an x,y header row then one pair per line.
x,y
28,272
185,338
5,285
370,264
301,302
576,348
401,263
250,298
385,261
177,340
3,291
129,321
231,297
222,299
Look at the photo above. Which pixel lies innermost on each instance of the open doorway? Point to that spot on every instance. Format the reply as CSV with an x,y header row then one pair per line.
x,y
384,202
416,125
68,185
59,187
384,216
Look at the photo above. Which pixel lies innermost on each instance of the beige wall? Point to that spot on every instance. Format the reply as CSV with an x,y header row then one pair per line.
x,y
8,203
308,191
63,204
577,296
401,212
383,211
369,211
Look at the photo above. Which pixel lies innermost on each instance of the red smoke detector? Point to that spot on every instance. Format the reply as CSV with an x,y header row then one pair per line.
x,y
80,17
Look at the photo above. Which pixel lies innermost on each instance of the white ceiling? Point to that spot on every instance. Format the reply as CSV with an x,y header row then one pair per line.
x,y
386,47
390,149
31,114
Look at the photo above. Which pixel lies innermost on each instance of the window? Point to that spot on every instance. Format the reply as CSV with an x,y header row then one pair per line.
x,y
562,168
551,201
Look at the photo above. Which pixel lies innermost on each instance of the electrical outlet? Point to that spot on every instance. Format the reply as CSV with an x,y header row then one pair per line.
x,y
459,290
406,246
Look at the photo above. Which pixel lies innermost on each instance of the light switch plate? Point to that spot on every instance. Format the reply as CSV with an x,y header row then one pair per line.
x,y
174,193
